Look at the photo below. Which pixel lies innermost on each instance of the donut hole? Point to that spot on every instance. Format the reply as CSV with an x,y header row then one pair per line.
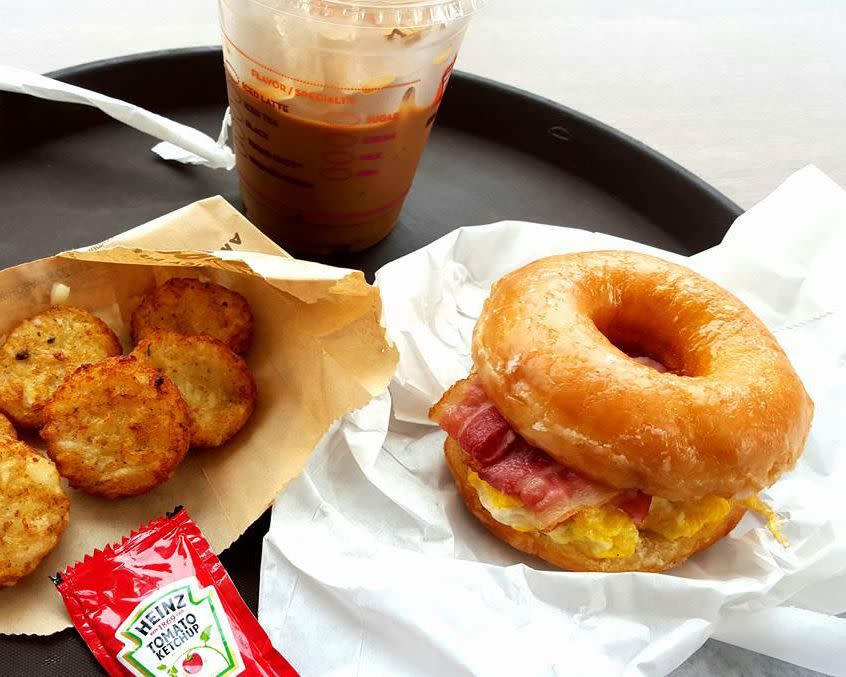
x,y
642,314
645,340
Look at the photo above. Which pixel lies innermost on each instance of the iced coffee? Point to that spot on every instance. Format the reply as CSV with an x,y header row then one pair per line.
x,y
332,104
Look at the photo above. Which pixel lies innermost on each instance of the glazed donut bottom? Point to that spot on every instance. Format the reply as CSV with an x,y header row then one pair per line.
x,y
652,553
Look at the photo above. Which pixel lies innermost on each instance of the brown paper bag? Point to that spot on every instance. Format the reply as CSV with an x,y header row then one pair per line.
x,y
319,352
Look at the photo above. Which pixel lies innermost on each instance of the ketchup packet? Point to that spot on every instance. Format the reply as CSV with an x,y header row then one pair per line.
x,y
160,603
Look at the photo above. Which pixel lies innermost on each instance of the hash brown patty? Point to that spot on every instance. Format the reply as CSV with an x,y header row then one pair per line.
x,y
188,306
215,382
34,510
117,428
41,351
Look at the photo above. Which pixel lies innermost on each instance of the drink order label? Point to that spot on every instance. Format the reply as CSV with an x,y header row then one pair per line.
x,y
180,629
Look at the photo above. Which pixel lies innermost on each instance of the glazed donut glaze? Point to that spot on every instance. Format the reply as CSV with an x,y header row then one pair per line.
x,y
554,347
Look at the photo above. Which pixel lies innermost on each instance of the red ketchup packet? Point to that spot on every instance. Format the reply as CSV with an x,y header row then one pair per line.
x,y
160,603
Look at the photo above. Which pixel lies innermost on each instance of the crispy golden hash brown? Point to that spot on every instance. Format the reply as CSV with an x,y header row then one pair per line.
x,y
33,510
215,382
40,352
7,430
188,306
117,428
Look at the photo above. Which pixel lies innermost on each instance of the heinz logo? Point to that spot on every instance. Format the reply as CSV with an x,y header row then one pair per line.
x,y
179,630
160,612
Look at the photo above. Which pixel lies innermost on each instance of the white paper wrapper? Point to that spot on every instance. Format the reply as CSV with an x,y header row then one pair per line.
x,y
373,566
179,142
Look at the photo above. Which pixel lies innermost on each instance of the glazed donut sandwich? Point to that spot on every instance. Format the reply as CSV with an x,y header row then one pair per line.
x,y
622,413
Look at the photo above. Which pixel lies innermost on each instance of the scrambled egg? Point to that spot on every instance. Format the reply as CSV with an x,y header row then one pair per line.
x,y
755,504
502,507
606,531
599,532
681,520
602,532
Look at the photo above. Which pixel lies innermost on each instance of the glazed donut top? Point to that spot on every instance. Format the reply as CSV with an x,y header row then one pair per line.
x,y
554,347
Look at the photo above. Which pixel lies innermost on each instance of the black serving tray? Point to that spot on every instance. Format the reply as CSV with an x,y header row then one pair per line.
x,y
71,176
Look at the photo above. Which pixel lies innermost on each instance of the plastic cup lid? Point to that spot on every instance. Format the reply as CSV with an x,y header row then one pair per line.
x,y
377,13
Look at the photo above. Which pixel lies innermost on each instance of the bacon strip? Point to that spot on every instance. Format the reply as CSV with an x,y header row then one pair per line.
x,y
636,504
473,421
507,462
544,486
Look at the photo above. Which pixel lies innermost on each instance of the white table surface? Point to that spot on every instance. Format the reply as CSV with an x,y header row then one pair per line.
x,y
741,92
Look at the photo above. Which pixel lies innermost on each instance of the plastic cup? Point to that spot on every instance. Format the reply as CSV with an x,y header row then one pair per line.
x,y
332,102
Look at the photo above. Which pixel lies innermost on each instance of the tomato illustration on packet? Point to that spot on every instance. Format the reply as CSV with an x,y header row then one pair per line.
x,y
160,604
